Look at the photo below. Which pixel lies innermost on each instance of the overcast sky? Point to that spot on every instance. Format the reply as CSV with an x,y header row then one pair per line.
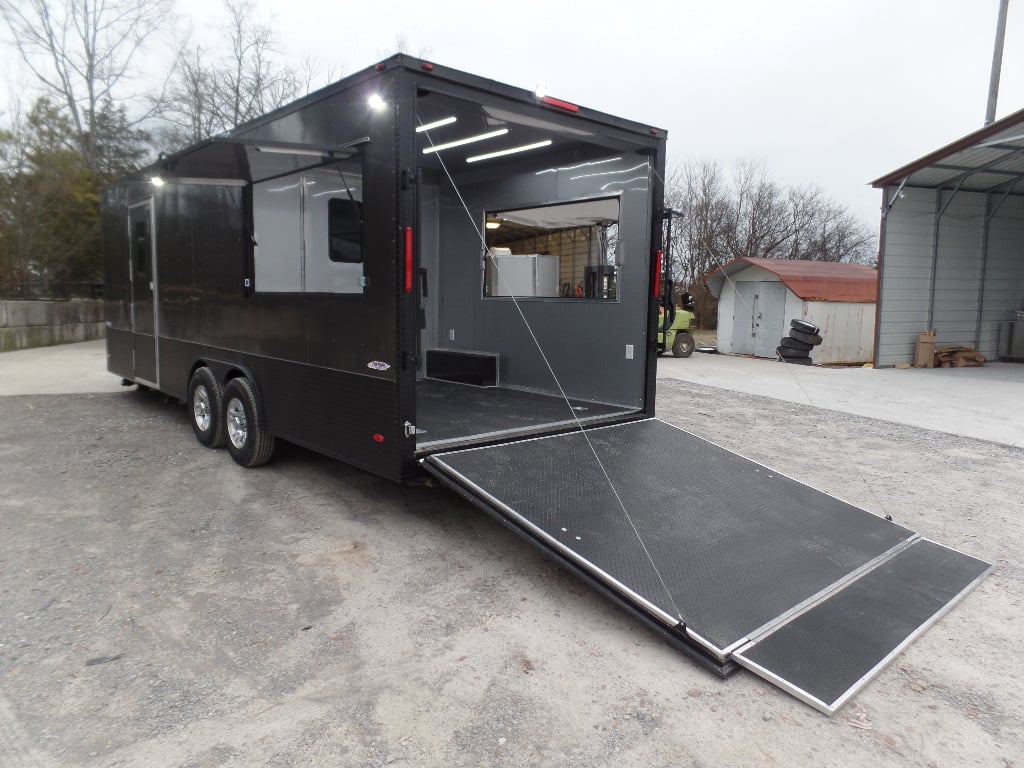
x,y
832,92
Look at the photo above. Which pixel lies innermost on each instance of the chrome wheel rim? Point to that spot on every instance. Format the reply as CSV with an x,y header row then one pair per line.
x,y
201,407
238,426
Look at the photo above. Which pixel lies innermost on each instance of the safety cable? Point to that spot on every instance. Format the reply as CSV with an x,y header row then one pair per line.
x,y
793,375
551,370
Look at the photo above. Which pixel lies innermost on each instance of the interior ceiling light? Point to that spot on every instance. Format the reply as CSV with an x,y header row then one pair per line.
x,y
492,224
156,181
509,151
467,140
436,124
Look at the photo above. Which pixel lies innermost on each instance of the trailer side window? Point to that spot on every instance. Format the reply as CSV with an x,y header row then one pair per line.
x,y
563,251
141,245
345,230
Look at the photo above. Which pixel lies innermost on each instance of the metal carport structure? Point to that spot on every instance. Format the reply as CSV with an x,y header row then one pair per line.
x,y
951,252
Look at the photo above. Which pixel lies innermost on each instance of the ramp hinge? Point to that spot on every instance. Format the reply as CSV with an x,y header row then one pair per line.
x,y
411,430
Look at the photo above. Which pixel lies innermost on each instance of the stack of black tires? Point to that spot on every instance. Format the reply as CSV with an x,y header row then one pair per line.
x,y
796,348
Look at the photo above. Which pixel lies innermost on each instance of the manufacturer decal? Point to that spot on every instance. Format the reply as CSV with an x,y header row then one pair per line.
x,y
377,365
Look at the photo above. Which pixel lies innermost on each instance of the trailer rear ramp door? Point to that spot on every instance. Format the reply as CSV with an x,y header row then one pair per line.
x,y
744,564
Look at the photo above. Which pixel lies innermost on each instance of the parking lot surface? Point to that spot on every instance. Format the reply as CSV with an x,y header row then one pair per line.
x,y
163,607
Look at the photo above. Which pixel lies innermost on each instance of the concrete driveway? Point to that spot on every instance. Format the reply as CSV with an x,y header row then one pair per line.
x,y
986,403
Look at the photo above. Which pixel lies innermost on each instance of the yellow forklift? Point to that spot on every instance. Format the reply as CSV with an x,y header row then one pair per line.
x,y
674,323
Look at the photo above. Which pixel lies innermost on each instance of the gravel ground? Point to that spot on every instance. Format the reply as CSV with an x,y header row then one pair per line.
x,y
163,607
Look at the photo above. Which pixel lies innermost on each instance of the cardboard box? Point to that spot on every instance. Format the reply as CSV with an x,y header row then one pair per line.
x,y
924,351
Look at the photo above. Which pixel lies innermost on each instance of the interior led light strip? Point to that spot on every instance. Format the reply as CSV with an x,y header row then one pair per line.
x,y
509,151
435,124
467,140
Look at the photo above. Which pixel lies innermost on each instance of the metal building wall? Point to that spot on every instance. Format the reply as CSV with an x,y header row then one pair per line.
x,y
1004,271
905,275
945,267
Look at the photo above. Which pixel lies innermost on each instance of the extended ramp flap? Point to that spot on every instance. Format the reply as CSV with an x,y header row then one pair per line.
x,y
816,593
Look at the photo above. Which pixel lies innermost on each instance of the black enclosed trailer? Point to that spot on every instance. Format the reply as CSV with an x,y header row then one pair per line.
x,y
418,270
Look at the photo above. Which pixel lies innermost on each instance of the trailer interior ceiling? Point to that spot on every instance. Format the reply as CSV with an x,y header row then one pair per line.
x,y
952,247
532,297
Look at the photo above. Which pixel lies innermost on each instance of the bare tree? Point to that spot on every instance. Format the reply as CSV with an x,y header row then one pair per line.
x,y
761,221
210,95
752,215
82,52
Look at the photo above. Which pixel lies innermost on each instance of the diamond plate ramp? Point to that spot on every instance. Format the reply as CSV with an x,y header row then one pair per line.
x,y
703,538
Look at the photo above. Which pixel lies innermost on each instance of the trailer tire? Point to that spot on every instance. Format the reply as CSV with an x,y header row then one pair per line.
x,y
807,338
206,402
249,443
683,345
794,343
803,326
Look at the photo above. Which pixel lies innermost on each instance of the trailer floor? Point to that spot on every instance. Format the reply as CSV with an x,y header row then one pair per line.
x,y
450,413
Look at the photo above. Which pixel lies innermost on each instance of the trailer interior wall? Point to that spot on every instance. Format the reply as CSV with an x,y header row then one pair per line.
x,y
953,272
597,347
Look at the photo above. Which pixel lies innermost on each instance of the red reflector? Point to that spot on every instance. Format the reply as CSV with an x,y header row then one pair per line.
x,y
654,131
427,66
657,273
408,259
378,438
559,104
380,67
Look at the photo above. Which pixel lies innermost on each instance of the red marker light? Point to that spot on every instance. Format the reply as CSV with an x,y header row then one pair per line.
x,y
408,259
380,67
559,104
657,273
427,66
378,438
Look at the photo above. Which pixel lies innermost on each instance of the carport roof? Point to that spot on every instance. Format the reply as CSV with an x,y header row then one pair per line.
x,y
809,280
988,160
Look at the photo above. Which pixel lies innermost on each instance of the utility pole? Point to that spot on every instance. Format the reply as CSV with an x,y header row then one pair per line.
x,y
997,63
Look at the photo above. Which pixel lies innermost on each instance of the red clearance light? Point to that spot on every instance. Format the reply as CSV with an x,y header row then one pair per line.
x,y
426,65
378,438
559,104
380,67
654,131
408,259
657,273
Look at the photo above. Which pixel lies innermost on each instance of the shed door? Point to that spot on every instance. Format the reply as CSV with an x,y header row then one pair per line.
x,y
758,318
769,318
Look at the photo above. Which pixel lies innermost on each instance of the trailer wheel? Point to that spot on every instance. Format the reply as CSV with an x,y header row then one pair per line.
x,y
206,401
808,338
248,442
683,345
